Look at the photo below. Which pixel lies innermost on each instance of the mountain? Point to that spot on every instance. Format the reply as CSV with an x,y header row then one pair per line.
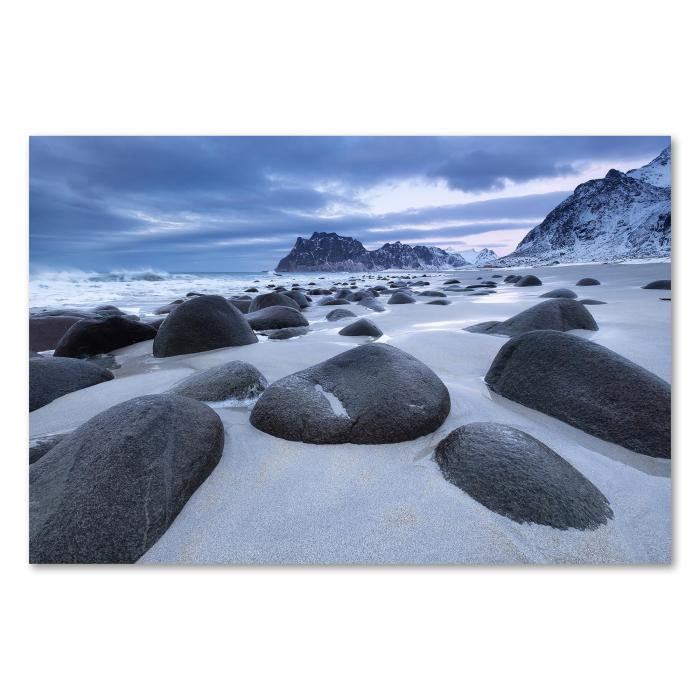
x,y
477,258
622,216
329,252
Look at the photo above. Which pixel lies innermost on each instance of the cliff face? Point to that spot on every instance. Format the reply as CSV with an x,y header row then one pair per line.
x,y
329,252
618,217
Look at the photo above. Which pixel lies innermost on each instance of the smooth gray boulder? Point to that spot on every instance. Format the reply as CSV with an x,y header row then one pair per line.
x,y
372,394
337,314
587,282
90,337
111,488
561,293
207,322
658,284
592,302
243,305
46,331
233,380
40,446
515,475
272,317
401,298
528,281
264,301
333,302
440,302
553,314
363,326
286,333
372,304
588,386
432,293
52,377
298,297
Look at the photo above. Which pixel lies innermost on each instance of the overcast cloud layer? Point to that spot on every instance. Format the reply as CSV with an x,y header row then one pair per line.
x,y
238,203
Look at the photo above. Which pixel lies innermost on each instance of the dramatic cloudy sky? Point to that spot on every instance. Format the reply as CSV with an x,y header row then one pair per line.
x,y
238,203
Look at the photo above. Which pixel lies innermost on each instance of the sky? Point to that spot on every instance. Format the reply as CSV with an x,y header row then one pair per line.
x,y
220,203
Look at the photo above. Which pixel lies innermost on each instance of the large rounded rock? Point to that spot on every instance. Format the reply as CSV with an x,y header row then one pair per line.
x,y
46,331
337,314
553,314
333,302
111,488
243,305
658,284
52,377
363,326
587,282
401,298
561,293
263,301
203,323
372,394
515,475
432,293
233,380
272,317
592,302
588,386
298,297
372,304
529,281
439,302
95,337
286,333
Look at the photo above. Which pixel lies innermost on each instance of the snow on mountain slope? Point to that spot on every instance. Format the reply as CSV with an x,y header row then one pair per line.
x,y
619,217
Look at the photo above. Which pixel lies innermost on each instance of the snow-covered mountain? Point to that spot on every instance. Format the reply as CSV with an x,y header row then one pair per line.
x,y
477,258
619,217
328,252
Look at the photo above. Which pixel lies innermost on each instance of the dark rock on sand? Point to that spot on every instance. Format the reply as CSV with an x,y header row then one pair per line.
x,y
658,284
401,298
107,310
264,301
243,305
272,317
587,282
46,331
233,380
95,337
588,386
372,394
529,281
286,333
432,293
440,302
203,323
372,305
337,314
362,326
561,293
553,314
513,474
167,308
299,297
52,377
511,279
109,490
592,302
333,302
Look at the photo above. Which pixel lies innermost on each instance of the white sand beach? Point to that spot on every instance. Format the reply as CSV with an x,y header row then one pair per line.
x,y
273,501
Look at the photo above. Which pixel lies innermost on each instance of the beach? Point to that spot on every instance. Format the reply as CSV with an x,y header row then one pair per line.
x,y
276,501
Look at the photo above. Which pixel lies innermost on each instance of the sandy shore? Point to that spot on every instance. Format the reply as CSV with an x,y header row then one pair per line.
x,y
274,501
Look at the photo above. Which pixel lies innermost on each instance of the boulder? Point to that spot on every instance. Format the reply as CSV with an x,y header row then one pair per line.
x,y
588,386
286,333
98,336
46,331
264,301
299,297
513,474
561,293
167,308
233,380
553,314
333,302
511,279
203,323
107,310
52,377
658,284
401,298
243,305
372,394
440,302
587,282
111,488
337,314
363,326
528,281
39,447
432,293
592,302
372,304
272,317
